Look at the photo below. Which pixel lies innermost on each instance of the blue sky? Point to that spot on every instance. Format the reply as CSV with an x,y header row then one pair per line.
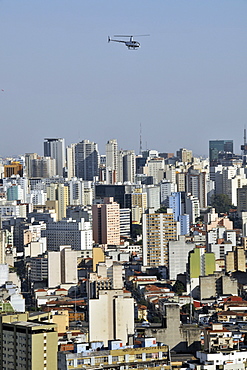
x,y
187,83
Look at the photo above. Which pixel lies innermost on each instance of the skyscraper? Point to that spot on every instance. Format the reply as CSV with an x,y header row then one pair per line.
x,y
86,160
112,157
106,222
55,148
219,148
175,204
158,230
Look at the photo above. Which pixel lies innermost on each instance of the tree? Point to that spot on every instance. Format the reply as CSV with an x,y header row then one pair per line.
x,y
221,203
161,210
178,287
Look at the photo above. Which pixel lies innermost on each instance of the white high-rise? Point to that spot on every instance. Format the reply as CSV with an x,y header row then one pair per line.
x,y
112,157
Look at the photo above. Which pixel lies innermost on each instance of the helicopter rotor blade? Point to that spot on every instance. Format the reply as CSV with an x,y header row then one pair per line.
x,y
123,36
140,35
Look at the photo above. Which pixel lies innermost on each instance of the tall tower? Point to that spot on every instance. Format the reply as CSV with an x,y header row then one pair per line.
x,y
112,157
86,160
158,230
106,222
244,147
55,148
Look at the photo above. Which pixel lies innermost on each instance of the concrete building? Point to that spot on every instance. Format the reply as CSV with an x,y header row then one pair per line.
x,y
78,234
106,222
38,268
62,267
196,185
184,155
125,219
55,148
137,202
178,256
111,317
148,356
153,197
70,161
217,284
129,166
44,167
158,230
59,193
112,159
184,221
15,192
166,189
86,160
156,168
15,168
201,263
76,192
235,260
175,204
28,345
192,208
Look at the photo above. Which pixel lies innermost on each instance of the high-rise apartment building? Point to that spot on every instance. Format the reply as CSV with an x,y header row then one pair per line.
x,y
129,166
86,160
27,344
175,204
112,158
70,161
196,185
158,230
58,193
106,222
43,167
184,155
55,148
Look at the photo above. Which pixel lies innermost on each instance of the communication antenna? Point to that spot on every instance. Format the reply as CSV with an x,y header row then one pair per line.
x,y
140,139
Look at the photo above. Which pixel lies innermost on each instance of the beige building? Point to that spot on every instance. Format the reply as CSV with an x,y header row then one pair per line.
x,y
235,260
98,256
62,267
158,230
28,345
184,155
106,222
111,316
59,192
138,205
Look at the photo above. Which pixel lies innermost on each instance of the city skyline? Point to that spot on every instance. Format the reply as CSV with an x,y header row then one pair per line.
x,y
59,77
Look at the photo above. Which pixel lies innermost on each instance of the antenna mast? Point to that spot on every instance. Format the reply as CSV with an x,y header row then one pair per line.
x,y
140,139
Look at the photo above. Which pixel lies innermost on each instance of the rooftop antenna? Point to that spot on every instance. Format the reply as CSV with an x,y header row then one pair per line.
x,y
140,139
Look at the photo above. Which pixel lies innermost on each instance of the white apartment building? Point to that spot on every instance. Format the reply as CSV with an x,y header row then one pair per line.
x,y
166,188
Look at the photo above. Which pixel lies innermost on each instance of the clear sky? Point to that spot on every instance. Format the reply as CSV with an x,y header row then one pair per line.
x,y
187,83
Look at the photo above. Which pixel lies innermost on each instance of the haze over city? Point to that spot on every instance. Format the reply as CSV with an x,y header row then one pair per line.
x,y
60,78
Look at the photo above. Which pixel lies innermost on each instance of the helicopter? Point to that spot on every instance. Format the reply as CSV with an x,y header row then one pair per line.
x,y
131,44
